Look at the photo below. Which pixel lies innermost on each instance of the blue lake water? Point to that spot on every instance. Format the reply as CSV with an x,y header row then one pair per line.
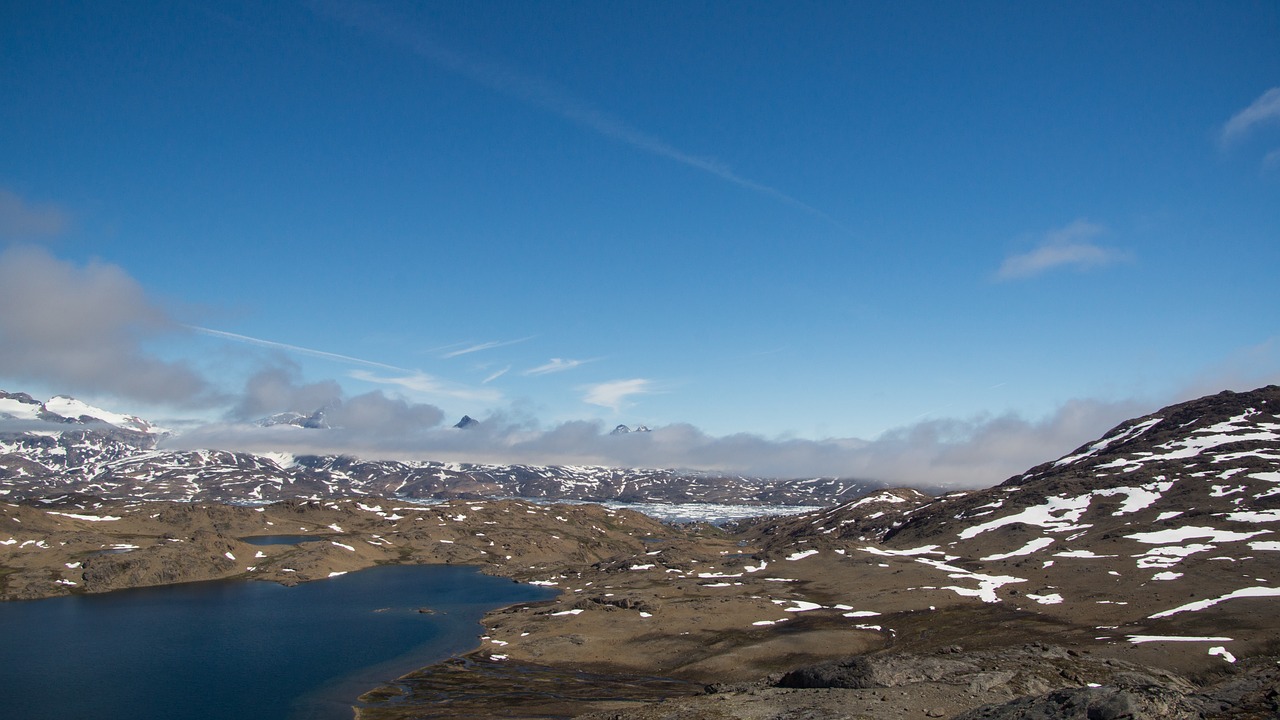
x,y
239,650
281,539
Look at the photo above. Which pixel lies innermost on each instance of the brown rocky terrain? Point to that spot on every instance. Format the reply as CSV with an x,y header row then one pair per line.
x,y
1135,577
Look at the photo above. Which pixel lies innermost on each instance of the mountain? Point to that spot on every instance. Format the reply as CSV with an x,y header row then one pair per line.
x,y
68,410
466,422
1166,526
624,430
314,421
47,454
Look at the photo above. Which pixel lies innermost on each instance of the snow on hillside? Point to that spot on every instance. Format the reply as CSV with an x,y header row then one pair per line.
x,y
70,407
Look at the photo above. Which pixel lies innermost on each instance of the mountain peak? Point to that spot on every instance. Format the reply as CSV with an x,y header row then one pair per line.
x,y
314,421
624,430
466,422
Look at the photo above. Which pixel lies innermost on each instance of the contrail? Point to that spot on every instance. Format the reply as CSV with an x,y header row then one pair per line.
x,y
294,348
483,346
540,93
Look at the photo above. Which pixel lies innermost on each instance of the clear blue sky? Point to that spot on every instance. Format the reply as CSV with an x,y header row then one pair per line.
x,y
908,224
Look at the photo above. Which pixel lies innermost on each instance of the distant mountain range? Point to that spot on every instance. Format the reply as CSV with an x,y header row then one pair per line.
x,y
110,455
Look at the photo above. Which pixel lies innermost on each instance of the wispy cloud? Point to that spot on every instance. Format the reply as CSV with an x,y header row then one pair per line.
x,y
425,384
1265,109
483,346
1070,246
495,375
22,220
554,365
613,394
294,348
539,93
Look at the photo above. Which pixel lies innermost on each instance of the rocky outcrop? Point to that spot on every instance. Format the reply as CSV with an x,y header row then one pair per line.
x,y
873,671
205,558
1089,703
1250,693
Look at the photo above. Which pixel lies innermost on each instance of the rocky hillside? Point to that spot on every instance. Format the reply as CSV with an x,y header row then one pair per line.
x,y
1164,525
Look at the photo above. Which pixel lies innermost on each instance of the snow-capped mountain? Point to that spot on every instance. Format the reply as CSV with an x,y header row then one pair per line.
x,y
48,454
68,410
624,430
314,421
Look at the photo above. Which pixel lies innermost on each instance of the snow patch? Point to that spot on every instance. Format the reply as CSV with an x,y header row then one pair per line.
x,y
1139,639
1249,592
1031,547
90,518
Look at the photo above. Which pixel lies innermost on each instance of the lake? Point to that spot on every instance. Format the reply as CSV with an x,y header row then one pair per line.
x,y
240,650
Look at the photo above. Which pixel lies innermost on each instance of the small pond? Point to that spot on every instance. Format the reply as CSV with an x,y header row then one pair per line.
x,y
280,539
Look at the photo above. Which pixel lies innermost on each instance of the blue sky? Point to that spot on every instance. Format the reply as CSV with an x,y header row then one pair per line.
x,y
916,240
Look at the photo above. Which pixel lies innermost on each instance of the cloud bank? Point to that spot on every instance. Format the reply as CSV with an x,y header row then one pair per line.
x,y
943,453
83,329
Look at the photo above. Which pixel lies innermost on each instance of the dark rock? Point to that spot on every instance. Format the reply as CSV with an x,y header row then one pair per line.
x,y
875,672
1089,703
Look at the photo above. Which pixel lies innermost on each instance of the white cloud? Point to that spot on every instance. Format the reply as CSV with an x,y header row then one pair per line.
x,y
1070,246
495,375
1265,109
613,394
20,220
555,365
